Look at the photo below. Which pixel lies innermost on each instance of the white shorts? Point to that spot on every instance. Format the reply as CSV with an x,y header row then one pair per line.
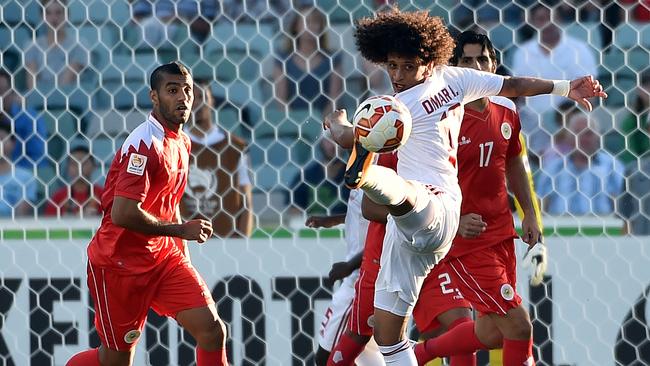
x,y
335,323
337,314
413,245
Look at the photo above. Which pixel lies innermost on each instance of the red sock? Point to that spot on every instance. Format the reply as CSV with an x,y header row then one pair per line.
x,y
211,358
463,360
88,357
460,339
345,352
518,352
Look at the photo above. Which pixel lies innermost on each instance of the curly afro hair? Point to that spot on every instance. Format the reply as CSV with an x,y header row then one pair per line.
x,y
408,34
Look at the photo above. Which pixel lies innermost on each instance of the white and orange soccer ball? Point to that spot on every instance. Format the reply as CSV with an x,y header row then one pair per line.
x,y
382,123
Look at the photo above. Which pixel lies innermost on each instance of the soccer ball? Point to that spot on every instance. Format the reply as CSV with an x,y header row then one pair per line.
x,y
382,123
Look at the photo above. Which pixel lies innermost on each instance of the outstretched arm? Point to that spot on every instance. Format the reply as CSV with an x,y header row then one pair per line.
x,y
579,90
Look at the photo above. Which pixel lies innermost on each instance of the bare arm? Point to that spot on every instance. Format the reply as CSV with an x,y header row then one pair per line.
x,y
245,217
129,214
520,186
525,87
340,129
340,270
373,211
580,90
325,221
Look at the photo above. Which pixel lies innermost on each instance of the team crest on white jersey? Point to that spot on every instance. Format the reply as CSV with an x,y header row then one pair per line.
x,y
506,130
137,163
507,292
131,336
464,141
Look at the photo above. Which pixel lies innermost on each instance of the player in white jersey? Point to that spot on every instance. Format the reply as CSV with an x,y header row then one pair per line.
x,y
337,314
423,197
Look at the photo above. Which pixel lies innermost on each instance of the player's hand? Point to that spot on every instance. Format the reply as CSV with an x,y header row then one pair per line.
x,y
338,128
471,226
584,88
197,229
535,261
339,271
531,233
337,118
320,221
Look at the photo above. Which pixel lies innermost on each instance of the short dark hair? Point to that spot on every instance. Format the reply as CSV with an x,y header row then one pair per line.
x,y
172,68
84,149
471,37
406,33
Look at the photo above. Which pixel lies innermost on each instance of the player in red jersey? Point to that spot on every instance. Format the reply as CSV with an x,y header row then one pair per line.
x,y
137,259
482,258
439,307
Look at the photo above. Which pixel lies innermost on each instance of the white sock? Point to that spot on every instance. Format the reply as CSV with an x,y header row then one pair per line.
x,y
384,186
400,354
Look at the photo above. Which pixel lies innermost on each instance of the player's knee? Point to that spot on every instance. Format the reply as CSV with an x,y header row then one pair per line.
x,y
212,335
522,329
387,334
491,340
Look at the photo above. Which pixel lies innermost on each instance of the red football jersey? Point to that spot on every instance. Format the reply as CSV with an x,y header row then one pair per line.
x,y
376,230
487,140
151,167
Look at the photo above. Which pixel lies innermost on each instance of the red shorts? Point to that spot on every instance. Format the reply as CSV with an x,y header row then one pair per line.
x,y
122,301
438,294
363,305
487,278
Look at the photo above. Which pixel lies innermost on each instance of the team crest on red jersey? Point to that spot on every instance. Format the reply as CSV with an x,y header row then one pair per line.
x,y
131,336
136,164
507,292
506,130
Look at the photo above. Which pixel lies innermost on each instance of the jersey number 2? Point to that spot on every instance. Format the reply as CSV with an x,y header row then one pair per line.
x,y
486,152
445,281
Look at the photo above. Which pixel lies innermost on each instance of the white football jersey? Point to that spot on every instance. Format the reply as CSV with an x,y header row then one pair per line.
x,y
356,227
437,108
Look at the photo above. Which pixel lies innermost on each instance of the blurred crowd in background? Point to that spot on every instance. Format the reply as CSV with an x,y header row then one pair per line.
x,y
74,81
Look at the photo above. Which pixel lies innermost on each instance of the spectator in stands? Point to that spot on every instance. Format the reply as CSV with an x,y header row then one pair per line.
x,y
79,196
54,59
550,55
219,185
634,205
563,140
640,9
254,10
577,10
17,185
318,189
159,18
587,180
306,75
630,139
30,130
